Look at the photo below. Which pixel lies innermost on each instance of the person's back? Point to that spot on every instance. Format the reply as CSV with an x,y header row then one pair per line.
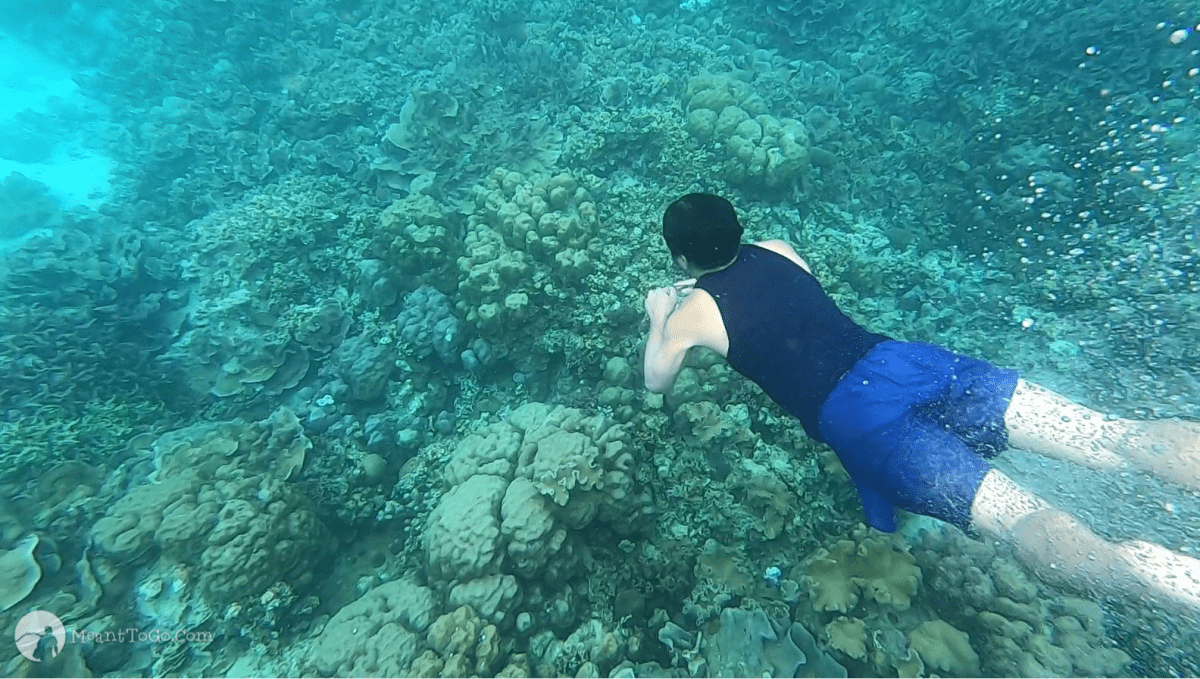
x,y
784,332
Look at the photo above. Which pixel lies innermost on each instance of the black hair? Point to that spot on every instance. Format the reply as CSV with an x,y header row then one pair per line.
x,y
704,228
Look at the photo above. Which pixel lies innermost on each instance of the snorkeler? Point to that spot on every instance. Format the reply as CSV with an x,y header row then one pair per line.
x,y
912,423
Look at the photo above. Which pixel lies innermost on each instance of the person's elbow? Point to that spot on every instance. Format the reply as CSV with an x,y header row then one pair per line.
x,y
657,379
658,384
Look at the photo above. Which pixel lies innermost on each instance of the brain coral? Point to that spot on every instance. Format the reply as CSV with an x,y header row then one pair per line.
x,y
461,538
760,147
519,488
268,533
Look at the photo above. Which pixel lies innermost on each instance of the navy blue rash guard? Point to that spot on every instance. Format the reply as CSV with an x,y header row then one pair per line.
x,y
785,333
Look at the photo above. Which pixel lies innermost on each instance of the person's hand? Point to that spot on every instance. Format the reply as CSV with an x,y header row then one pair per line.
x,y
660,302
684,286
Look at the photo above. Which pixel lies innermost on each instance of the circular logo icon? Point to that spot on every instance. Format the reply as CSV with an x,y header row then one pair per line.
x,y
40,635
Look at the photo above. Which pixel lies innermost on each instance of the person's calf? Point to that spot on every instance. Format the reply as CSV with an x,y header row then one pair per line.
x,y
1168,449
1043,422
1062,551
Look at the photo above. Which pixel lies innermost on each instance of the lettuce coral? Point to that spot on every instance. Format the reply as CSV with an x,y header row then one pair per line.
x,y
848,635
945,648
749,644
19,572
878,569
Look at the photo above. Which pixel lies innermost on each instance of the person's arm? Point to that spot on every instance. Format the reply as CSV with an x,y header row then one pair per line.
x,y
667,344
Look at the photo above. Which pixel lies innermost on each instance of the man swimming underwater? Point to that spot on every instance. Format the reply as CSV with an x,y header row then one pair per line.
x,y
912,423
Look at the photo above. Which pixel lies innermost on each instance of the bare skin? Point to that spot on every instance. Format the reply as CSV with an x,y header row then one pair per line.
x,y
1049,541
1047,423
1056,545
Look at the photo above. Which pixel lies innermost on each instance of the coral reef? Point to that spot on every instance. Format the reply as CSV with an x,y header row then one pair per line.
x,y
748,643
416,237
428,324
520,489
220,503
25,205
762,149
357,331
1015,626
85,309
21,572
878,569
948,605
527,242
944,648
377,635
460,644
259,304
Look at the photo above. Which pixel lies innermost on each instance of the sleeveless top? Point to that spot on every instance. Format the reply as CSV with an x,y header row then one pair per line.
x,y
785,333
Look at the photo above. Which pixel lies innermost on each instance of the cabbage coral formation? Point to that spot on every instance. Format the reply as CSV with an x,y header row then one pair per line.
x,y
761,148
876,569
520,487
221,500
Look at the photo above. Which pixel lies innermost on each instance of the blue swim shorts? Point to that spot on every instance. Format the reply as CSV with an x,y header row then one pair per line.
x,y
913,424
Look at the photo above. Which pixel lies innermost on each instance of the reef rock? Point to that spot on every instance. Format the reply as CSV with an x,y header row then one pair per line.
x,y
19,573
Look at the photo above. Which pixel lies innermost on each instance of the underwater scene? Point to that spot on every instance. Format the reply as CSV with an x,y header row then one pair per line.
x,y
341,338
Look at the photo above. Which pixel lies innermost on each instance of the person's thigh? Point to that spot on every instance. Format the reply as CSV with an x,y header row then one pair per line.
x,y
1044,422
909,423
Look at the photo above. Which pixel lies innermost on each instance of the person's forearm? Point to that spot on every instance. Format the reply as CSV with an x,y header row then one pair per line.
x,y
654,344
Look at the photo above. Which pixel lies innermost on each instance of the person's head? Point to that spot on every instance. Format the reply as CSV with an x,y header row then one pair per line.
x,y
704,230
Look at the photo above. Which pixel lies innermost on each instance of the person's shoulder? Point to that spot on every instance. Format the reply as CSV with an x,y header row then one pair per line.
x,y
781,246
784,248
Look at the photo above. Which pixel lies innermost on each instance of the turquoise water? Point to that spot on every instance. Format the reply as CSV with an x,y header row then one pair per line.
x,y
321,330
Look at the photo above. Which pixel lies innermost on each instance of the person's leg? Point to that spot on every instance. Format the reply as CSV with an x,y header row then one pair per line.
x,y
1168,449
1047,423
1063,551
1041,421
